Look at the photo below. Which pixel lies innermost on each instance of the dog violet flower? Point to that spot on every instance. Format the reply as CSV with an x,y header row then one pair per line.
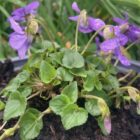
x,y
21,14
86,24
19,40
133,31
114,42
22,37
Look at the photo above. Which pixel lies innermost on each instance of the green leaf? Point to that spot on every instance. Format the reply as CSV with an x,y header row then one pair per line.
x,y
4,11
71,91
31,124
57,57
25,91
22,76
79,72
47,72
49,46
88,82
58,103
64,74
73,116
15,83
97,83
92,107
72,59
15,106
34,60
2,105
12,86
113,81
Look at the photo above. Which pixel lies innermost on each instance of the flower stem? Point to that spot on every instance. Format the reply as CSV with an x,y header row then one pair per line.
x,y
116,62
10,132
133,80
124,77
90,97
45,112
3,125
121,88
92,37
76,34
33,95
48,32
129,46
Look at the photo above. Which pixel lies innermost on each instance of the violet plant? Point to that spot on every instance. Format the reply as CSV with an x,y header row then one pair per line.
x,y
74,81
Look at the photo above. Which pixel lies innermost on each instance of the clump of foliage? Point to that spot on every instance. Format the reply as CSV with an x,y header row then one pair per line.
x,y
76,81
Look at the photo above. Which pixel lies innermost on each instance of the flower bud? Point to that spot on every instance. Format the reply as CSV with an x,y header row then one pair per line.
x,y
107,124
33,27
133,93
108,32
83,19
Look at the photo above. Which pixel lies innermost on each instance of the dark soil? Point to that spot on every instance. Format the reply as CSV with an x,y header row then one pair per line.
x,y
6,73
125,126
125,122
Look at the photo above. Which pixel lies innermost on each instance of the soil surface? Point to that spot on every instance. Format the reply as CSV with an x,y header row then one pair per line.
x,y
125,122
6,73
125,126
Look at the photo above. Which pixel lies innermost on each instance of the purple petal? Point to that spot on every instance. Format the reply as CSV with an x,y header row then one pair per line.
x,y
85,29
121,57
19,14
133,33
22,51
123,39
117,31
32,7
18,18
15,26
119,20
95,24
109,45
75,7
74,18
107,124
82,28
18,11
16,40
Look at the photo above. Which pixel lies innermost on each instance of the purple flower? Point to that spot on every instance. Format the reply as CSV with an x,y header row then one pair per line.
x,y
86,24
133,31
115,43
21,14
19,40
